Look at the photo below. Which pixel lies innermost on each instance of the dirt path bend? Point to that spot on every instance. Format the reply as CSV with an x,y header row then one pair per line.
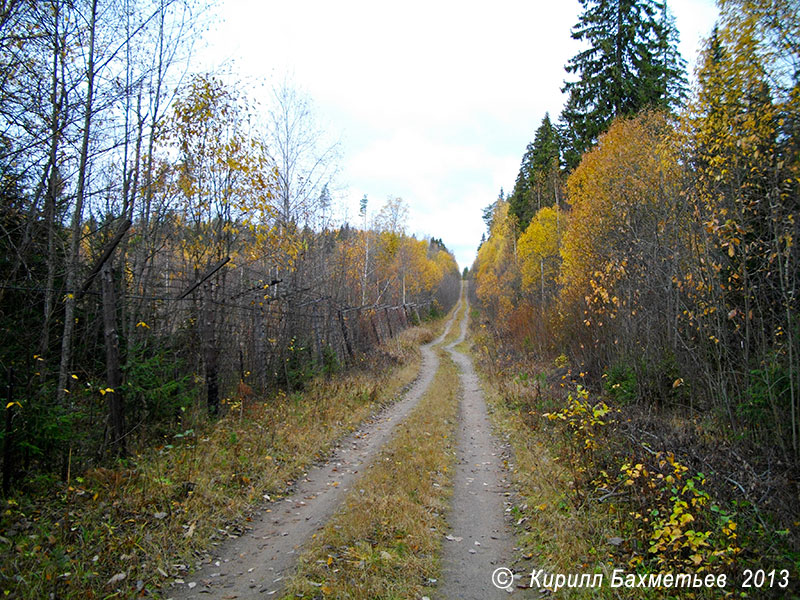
x,y
255,564
480,538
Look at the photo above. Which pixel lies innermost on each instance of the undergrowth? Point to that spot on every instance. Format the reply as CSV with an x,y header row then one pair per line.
x,y
126,530
599,495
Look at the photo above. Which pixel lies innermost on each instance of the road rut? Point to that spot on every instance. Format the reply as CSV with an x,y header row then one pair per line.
x,y
255,564
480,539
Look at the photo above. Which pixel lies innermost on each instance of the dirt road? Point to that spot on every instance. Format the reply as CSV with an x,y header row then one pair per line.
x,y
255,564
480,539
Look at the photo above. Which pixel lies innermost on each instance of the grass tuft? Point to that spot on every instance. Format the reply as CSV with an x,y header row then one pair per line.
x,y
385,541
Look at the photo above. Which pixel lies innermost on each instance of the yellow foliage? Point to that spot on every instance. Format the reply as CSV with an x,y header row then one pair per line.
x,y
497,275
538,250
621,195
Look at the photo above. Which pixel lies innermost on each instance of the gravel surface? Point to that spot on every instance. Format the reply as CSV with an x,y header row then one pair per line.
x,y
255,564
480,539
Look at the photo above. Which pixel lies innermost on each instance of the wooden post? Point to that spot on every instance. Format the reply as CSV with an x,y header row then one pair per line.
x,y
345,335
375,329
389,322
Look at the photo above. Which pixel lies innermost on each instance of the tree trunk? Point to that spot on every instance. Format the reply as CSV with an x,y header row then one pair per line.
x,y
74,249
116,402
52,186
8,441
210,350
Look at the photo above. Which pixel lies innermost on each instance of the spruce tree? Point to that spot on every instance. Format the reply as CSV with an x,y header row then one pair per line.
x,y
632,63
488,211
537,184
519,198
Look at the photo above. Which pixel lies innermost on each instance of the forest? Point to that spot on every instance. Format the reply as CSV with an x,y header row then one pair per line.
x,y
193,338
165,245
645,260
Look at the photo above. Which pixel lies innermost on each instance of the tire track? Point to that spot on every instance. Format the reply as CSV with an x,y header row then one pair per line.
x,y
480,539
255,564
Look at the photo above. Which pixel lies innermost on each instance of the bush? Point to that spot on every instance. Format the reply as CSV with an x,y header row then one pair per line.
x,y
620,384
434,312
330,361
157,388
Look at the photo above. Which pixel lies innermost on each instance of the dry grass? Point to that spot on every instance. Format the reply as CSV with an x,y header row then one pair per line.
x,y
554,532
385,540
573,517
455,330
121,532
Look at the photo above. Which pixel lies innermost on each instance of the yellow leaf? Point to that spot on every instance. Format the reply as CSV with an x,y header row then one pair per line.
x,y
74,376
326,590
10,404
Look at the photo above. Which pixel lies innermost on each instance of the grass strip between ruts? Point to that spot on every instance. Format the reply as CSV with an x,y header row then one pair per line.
x,y
385,541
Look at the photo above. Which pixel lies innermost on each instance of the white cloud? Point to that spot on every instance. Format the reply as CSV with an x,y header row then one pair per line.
x,y
436,100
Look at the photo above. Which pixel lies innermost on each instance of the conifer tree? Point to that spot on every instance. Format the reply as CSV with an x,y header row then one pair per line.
x,y
632,63
537,183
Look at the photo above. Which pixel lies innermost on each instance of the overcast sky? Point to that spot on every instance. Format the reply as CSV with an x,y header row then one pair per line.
x,y
433,101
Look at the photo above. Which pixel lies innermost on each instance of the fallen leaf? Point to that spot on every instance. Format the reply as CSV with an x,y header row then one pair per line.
x,y
117,578
615,541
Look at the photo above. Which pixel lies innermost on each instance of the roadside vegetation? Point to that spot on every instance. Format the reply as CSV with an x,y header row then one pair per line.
x,y
598,493
147,520
638,302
